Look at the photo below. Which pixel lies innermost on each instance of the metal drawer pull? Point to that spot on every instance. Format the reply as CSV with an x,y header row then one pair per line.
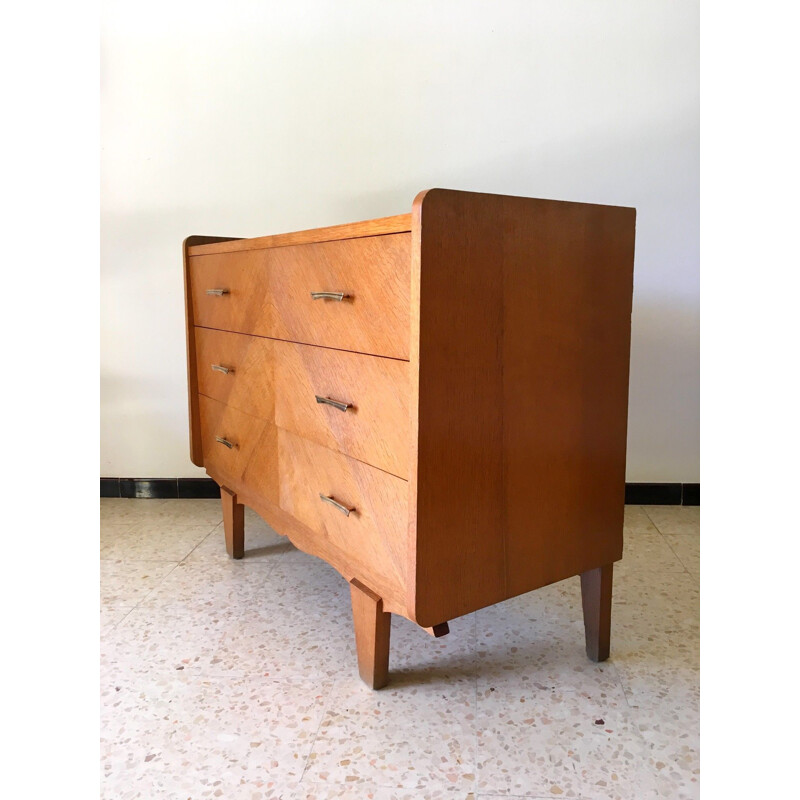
x,y
335,403
221,440
339,296
344,509
218,292
220,368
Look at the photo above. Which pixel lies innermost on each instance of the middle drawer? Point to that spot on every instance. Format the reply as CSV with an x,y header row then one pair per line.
x,y
355,404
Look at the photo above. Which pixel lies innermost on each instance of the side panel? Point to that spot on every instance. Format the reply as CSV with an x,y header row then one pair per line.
x,y
524,343
568,274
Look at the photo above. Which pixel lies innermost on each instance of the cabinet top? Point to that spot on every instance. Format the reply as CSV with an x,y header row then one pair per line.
x,y
372,227
401,223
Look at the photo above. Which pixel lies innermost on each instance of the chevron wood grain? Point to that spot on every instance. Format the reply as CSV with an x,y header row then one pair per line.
x,y
268,292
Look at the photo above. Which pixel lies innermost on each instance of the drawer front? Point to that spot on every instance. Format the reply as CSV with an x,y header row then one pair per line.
x,y
237,370
370,418
251,460
375,532
269,293
363,411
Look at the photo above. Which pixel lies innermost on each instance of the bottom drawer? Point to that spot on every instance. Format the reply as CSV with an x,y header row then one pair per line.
x,y
361,510
239,448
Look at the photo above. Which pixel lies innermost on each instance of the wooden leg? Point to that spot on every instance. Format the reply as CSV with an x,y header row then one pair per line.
x,y
233,522
596,592
373,626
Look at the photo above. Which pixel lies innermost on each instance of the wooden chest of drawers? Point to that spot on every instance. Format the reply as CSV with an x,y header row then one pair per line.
x,y
434,403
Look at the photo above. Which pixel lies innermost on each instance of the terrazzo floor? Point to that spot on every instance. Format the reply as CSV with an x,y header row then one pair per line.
x,y
237,679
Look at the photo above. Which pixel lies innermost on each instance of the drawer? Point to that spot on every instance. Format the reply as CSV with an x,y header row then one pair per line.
x,y
236,370
251,460
281,381
374,428
375,531
269,293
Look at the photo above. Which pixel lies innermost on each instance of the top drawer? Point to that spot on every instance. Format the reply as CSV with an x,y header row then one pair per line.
x,y
269,293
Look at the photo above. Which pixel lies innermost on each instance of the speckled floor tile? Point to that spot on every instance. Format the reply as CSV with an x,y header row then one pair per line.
x,y
670,726
126,583
664,667
374,738
268,703
675,519
118,511
187,513
224,586
110,616
164,640
198,737
361,791
158,540
537,641
294,629
378,738
563,744
686,547
650,551
260,541
637,521
655,604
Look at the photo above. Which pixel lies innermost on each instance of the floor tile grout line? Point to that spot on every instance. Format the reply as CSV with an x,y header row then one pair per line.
x,y
157,584
655,525
210,533
319,727
685,567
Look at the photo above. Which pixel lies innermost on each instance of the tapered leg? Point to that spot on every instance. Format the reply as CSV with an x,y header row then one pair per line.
x,y
373,626
596,592
233,522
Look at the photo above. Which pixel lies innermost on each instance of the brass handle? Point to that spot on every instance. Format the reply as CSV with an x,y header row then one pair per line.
x,y
218,292
344,509
220,368
335,403
339,296
222,440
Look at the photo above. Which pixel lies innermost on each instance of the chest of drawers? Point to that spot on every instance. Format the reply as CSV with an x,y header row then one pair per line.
x,y
433,403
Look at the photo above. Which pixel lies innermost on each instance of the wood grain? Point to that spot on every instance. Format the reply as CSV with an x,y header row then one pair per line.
x,y
270,293
459,559
568,277
373,227
311,542
522,361
374,534
195,441
232,522
252,462
373,430
250,385
372,629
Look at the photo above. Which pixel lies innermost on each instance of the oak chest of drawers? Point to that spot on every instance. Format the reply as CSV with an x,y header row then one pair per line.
x,y
434,403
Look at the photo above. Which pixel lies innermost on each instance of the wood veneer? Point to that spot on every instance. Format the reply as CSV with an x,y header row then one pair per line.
x,y
375,427
269,292
485,350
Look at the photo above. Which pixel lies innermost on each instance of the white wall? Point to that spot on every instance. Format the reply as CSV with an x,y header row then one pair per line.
x,y
246,118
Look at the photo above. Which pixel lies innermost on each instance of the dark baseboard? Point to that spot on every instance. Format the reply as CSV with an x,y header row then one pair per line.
x,y
159,488
637,494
